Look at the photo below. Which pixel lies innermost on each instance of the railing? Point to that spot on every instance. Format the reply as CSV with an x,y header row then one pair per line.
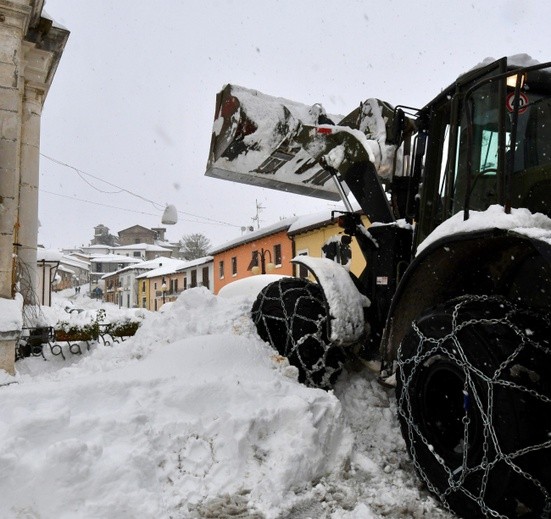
x,y
32,341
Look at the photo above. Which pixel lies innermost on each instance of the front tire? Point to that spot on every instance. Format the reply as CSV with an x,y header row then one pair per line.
x,y
292,316
474,405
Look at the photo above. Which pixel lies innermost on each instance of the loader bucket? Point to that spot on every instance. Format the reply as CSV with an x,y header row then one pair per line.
x,y
254,142
280,144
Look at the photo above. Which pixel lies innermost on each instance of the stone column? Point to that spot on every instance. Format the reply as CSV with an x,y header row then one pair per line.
x,y
10,117
28,191
13,22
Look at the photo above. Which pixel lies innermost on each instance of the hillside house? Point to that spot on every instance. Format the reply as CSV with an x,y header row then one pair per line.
x,y
138,234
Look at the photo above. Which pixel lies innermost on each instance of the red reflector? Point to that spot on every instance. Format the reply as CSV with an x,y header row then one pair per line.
x,y
325,130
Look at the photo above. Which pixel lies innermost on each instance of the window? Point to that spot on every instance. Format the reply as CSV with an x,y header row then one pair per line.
x,y
254,260
478,150
234,266
144,302
221,270
277,255
193,278
302,270
137,254
143,286
174,286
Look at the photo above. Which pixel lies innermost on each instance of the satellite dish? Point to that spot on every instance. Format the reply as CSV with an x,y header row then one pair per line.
x,y
170,215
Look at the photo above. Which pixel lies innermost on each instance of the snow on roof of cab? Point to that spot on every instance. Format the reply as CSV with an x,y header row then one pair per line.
x,y
516,60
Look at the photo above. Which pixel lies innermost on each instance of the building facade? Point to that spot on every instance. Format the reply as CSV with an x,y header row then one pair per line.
x,y
126,282
138,234
311,233
161,285
31,46
106,264
268,251
164,284
198,273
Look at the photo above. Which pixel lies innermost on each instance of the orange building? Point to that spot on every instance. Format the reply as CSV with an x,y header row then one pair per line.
x,y
268,250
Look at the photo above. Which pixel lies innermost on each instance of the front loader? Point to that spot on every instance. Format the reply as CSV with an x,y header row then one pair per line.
x,y
454,300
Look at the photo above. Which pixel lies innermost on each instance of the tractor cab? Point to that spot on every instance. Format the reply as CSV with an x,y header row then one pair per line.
x,y
489,142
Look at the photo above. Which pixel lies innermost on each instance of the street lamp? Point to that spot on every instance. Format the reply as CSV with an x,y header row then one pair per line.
x,y
253,265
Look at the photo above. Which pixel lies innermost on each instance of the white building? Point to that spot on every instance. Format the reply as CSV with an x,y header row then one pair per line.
x,y
143,251
106,264
199,273
126,280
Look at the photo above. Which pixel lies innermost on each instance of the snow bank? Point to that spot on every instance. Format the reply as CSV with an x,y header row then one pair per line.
x,y
248,287
194,411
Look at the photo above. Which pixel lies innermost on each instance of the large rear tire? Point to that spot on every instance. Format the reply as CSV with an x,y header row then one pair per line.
x,y
291,315
474,405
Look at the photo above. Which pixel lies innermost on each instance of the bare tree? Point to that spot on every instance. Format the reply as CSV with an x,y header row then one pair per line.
x,y
193,246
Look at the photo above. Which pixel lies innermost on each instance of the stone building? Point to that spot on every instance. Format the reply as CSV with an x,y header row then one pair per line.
x,y
30,49
137,234
102,236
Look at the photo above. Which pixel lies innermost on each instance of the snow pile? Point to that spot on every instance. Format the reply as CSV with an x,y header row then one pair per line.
x,y
249,287
77,309
193,409
196,417
521,221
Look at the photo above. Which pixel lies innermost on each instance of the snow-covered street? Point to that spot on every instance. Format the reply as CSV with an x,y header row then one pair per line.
x,y
195,417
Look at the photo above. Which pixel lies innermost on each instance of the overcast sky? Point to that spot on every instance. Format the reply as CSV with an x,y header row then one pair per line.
x,y
133,99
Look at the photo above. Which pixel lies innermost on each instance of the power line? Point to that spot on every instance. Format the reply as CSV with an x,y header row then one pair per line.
x,y
120,208
96,203
156,205
80,174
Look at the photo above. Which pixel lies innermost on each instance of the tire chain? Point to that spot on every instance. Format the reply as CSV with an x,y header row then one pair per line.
x,y
489,435
292,345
